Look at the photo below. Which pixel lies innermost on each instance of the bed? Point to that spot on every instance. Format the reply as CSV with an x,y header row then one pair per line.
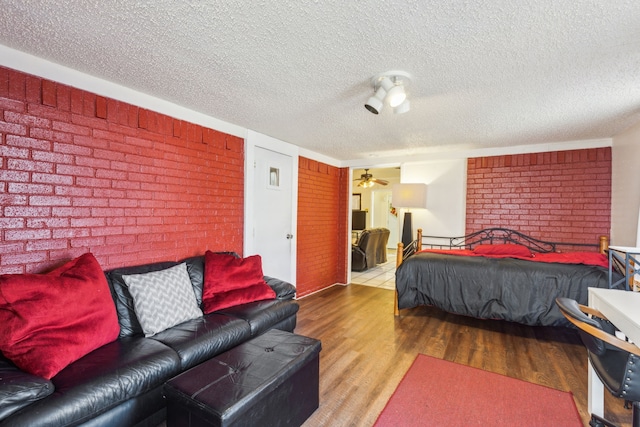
x,y
498,273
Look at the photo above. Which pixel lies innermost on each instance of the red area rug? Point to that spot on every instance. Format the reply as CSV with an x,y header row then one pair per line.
x,y
441,393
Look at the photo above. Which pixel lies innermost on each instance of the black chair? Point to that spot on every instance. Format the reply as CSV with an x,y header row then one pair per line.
x,y
615,361
370,250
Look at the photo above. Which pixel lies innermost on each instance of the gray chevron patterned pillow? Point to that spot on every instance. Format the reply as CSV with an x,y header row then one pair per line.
x,y
162,299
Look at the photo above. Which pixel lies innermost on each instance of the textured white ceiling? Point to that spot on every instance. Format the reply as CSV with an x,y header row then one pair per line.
x,y
486,73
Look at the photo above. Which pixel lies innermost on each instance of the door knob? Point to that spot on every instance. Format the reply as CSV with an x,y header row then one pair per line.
x,y
289,236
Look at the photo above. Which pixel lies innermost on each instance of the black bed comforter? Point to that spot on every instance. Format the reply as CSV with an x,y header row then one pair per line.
x,y
496,288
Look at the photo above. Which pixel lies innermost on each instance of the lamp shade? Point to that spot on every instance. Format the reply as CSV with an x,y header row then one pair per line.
x,y
409,195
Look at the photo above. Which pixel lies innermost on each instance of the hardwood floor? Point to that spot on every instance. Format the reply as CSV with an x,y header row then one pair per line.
x,y
366,351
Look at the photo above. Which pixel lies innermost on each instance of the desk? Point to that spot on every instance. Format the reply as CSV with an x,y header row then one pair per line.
x,y
622,308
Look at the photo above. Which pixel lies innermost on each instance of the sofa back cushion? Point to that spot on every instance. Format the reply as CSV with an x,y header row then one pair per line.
x,y
50,320
368,243
381,247
129,323
195,268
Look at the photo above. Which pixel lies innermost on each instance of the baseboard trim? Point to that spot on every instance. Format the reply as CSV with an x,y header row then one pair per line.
x,y
323,289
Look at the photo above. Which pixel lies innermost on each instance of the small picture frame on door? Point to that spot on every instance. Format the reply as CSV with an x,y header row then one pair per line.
x,y
273,178
356,199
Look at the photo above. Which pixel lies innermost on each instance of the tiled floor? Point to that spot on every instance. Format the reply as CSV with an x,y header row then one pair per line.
x,y
381,276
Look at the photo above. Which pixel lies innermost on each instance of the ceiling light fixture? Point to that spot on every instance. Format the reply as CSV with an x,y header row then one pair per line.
x,y
389,87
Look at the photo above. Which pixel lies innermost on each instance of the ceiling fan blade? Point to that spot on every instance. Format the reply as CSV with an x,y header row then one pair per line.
x,y
379,181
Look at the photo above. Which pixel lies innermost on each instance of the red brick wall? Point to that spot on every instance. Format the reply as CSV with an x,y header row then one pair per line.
x,y
80,172
556,196
322,226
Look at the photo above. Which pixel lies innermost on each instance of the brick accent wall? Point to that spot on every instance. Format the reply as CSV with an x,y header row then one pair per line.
x,y
322,226
556,196
81,172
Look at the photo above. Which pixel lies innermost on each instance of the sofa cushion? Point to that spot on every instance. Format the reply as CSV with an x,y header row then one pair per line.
x,y
50,320
263,315
163,299
129,324
19,389
104,379
200,339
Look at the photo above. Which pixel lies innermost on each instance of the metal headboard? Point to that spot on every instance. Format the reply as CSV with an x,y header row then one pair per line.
x,y
498,235
495,235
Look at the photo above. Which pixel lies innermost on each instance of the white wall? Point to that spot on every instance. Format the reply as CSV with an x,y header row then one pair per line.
x,y
446,196
381,215
625,191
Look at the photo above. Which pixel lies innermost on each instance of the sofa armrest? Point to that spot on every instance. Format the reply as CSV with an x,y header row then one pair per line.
x,y
358,259
283,290
19,389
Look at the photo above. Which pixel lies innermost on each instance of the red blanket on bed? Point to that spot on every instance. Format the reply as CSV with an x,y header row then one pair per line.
x,y
587,258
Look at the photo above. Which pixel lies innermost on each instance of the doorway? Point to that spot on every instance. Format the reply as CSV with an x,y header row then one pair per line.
x,y
375,200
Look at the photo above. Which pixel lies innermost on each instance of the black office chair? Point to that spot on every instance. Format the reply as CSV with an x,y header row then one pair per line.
x,y
615,361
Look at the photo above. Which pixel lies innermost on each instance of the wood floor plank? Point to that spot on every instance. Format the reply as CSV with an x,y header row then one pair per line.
x,y
366,351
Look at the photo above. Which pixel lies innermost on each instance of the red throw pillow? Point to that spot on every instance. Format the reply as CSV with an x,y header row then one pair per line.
x,y
229,281
228,299
50,320
226,272
504,249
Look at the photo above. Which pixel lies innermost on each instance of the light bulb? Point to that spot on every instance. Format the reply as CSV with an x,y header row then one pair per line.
x,y
396,96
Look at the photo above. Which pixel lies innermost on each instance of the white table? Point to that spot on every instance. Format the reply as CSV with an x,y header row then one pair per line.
x,y
622,308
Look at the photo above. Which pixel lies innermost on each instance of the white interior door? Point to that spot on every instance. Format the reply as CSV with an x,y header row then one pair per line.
x,y
272,234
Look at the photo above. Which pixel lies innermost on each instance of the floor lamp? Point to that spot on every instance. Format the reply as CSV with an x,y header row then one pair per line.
x,y
408,196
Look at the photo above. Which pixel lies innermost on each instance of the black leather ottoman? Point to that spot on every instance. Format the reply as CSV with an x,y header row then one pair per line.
x,y
271,380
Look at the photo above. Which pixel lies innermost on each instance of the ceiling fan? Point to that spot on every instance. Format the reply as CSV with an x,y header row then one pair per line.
x,y
367,180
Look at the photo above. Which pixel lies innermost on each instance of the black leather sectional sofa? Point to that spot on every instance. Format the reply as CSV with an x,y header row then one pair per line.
x,y
121,383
